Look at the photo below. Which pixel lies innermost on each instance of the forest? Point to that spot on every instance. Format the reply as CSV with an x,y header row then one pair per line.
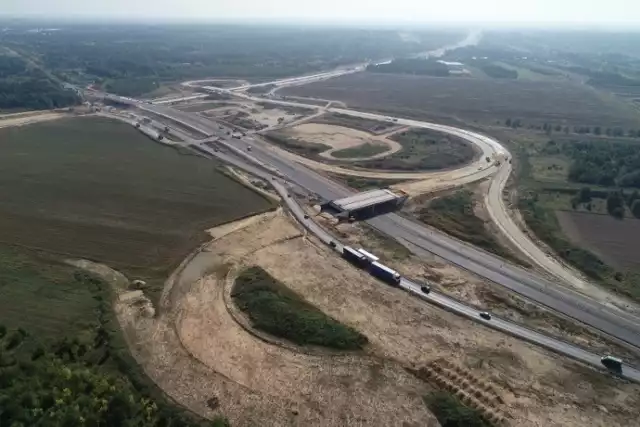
x,y
134,59
28,88
602,162
422,67
82,379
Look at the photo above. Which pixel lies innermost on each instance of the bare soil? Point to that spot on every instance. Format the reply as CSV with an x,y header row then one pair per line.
x,y
195,350
467,287
616,241
258,383
340,138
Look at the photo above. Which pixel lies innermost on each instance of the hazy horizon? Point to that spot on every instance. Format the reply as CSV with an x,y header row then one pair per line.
x,y
597,14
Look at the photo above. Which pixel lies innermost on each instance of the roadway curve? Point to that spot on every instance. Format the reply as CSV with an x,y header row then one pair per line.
x,y
424,241
253,165
498,211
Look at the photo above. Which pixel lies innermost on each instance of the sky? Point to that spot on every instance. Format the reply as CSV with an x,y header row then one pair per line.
x,y
611,13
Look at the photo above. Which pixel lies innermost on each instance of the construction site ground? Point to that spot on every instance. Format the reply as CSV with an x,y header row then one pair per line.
x,y
223,110
341,138
467,287
204,359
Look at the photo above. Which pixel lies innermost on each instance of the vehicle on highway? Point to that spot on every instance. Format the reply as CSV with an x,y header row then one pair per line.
x,y
385,273
425,289
485,315
249,148
612,363
306,216
332,244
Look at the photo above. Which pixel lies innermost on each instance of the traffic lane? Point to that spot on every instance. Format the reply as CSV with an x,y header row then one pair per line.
x,y
494,269
478,262
519,331
593,316
512,272
434,297
302,176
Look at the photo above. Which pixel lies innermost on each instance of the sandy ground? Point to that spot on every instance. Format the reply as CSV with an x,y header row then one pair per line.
x,y
266,116
195,350
340,138
21,119
469,288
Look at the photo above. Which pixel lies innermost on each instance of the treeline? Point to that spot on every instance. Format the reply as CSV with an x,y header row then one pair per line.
x,y
550,128
81,381
30,89
602,163
423,67
131,59
499,72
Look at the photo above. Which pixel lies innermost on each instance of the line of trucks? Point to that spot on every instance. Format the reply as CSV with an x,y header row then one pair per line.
x,y
365,260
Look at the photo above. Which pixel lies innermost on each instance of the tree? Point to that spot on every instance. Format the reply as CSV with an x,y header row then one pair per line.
x,y
508,123
615,204
558,128
632,197
635,209
584,195
597,130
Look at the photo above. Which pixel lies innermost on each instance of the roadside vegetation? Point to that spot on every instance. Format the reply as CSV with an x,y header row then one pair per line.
x,y
98,189
303,148
63,359
571,217
423,149
367,149
454,215
451,412
275,309
360,183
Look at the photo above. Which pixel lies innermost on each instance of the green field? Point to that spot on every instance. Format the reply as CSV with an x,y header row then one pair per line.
x,y
98,189
454,215
424,149
275,309
60,341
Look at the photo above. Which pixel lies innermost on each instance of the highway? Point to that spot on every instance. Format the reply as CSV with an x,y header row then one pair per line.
x,y
420,239
248,162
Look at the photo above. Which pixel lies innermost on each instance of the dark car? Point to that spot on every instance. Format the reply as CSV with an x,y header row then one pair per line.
x,y
306,216
485,315
425,289
332,244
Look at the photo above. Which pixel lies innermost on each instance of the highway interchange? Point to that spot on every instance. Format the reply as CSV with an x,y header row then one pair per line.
x,y
422,241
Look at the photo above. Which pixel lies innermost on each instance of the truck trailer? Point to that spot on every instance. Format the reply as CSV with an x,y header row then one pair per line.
x,y
354,257
370,257
385,273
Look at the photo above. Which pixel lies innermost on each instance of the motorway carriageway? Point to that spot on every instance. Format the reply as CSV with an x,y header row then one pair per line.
x,y
412,287
422,240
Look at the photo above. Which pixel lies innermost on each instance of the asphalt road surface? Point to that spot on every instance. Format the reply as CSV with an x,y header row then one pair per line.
x,y
248,162
423,241
616,323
